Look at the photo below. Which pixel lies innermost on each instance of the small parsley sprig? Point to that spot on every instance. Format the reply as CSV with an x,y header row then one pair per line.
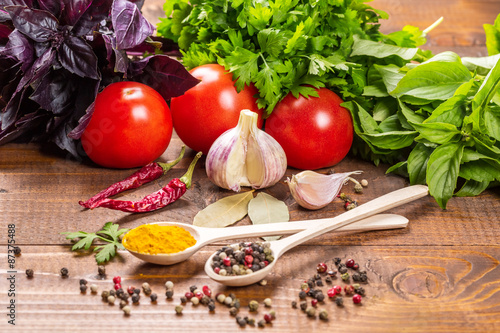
x,y
109,233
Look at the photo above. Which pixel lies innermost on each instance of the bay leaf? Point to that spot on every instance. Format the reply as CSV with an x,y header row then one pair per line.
x,y
265,208
224,212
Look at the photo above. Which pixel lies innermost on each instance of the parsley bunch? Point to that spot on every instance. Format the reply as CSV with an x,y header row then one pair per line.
x,y
109,233
280,46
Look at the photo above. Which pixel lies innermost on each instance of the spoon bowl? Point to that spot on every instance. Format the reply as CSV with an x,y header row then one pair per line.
x,y
350,218
204,236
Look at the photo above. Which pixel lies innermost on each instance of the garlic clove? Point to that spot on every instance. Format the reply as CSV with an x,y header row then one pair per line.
x,y
245,156
313,190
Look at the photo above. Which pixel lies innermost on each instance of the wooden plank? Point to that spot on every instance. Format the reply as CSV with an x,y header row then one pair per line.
x,y
411,288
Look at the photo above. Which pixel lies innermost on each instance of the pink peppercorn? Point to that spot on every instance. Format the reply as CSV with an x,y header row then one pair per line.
x,y
207,291
356,299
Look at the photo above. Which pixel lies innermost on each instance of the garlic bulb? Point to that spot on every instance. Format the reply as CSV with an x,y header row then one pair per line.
x,y
314,190
245,156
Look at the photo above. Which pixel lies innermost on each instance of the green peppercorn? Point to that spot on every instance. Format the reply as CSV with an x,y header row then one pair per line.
x,y
29,273
311,312
64,272
345,277
323,315
358,188
178,309
235,303
250,321
253,306
267,302
126,310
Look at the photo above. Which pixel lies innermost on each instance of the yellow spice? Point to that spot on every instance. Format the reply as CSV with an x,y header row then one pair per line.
x,y
156,239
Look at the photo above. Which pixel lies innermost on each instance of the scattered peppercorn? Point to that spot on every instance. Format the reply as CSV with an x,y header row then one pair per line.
x,y
135,298
233,311
169,294
349,263
303,305
268,317
146,288
101,270
321,268
360,291
349,290
228,300
261,323
117,286
345,276
267,302
250,321
93,288
126,310
339,301
302,294
207,291
205,300
178,309
211,306
117,279
153,297
320,297
130,290
314,302
328,279
263,282
195,300
355,266
83,281
64,272
112,292
294,304
311,312
83,288
111,299
332,273
356,299
137,291
364,182
17,250
105,295
193,288
323,315
253,306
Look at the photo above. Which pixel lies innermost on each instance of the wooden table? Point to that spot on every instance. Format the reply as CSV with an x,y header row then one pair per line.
x,y
441,274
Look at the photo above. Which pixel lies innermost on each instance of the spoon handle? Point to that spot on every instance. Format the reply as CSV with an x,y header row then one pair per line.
x,y
376,222
380,204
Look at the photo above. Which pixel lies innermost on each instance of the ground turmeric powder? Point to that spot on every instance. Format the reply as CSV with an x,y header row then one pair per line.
x,y
156,239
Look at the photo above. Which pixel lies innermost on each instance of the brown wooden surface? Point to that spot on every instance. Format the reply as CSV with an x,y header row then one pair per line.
x,y
441,274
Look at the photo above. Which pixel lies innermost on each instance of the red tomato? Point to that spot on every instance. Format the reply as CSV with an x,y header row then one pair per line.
x,y
315,132
211,107
131,126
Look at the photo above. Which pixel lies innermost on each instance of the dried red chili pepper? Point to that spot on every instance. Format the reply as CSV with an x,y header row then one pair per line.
x,y
159,199
146,174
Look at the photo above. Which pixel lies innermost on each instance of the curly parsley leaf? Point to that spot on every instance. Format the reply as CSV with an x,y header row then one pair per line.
x,y
109,233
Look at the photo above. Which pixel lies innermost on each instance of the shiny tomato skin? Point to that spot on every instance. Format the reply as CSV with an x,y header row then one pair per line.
x,y
131,126
315,132
211,107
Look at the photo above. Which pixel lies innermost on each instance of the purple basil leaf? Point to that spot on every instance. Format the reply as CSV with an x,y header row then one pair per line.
x,y
25,124
56,92
73,10
19,47
131,28
138,3
98,11
78,57
77,132
109,42
164,74
52,6
120,60
39,69
38,25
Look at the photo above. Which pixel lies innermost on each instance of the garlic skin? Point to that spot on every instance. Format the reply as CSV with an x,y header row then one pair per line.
x,y
245,156
313,190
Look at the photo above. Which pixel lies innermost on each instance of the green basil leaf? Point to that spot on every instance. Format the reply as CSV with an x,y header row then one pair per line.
x,y
480,170
407,116
493,36
442,171
390,75
384,108
417,163
492,121
451,111
433,81
472,188
391,140
481,65
489,87
363,47
400,168
439,133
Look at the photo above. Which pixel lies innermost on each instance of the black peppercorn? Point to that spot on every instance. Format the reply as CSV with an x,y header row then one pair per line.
x,y
119,292
319,283
29,273
64,272
303,305
261,323
342,270
302,294
183,299
112,292
328,279
320,297
339,301
211,306
193,288
83,281
101,270
135,298
294,304
153,297
169,294
83,288
337,261
360,291
17,250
